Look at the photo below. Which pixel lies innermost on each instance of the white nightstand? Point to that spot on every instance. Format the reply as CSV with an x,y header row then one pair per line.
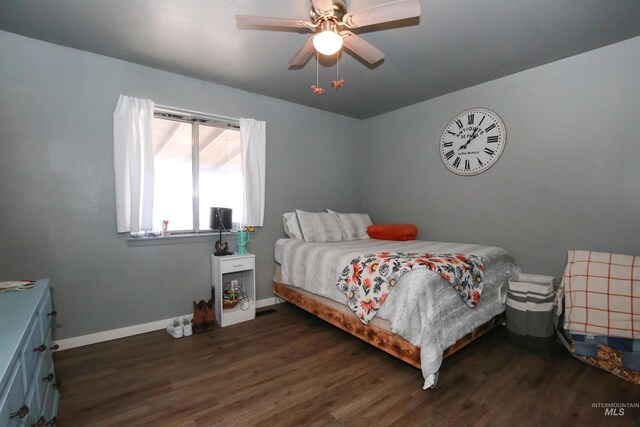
x,y
234,267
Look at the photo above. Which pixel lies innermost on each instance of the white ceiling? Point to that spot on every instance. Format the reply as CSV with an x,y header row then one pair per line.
x,y
455,43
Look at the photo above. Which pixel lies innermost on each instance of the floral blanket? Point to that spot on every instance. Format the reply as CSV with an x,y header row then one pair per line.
x,y
368,279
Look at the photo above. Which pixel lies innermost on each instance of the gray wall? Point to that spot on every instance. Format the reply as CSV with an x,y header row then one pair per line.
x,y
57,213
569,177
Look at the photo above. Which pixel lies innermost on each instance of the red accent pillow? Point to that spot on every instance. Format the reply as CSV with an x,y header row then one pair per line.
x,y
393,231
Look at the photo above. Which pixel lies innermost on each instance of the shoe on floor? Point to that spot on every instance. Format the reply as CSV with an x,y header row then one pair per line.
x,y
198,317
187,330
175,328
209,315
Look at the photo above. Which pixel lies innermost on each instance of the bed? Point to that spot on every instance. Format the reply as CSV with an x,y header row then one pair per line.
x,y
421,322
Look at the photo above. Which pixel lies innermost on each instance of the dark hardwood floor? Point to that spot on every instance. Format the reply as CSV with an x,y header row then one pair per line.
x,y
290,368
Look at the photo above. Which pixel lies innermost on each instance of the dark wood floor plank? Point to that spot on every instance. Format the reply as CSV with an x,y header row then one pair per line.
x,y
290,368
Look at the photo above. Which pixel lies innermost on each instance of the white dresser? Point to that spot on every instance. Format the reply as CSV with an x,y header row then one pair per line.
x,y
28,386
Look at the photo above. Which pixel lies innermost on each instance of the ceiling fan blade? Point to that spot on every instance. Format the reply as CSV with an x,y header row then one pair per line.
x,y
303,55
393,11
361,47
265,21
323,7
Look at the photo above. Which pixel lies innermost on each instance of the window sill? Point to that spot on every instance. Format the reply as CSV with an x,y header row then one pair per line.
x,y
177,239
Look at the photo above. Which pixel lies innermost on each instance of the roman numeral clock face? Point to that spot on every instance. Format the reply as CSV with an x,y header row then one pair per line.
x,y
473,141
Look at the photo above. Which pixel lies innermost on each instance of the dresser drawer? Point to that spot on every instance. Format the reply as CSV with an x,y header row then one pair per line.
x,y
30,353
236,264
45,313
44,376
12,398
34,408
50,404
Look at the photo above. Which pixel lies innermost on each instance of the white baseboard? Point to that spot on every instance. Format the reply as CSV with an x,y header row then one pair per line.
x,y
128,331
267,301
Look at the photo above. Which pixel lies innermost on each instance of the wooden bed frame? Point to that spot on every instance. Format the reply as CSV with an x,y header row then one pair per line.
x,y
384,340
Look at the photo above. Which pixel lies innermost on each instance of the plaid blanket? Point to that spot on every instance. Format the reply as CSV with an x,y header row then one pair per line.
x,y
369,278
602,294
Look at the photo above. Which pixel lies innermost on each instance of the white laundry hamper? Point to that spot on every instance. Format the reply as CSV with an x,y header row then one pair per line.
x,y
530,305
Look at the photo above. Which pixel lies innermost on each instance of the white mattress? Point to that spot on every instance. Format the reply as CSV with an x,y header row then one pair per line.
x,y
423,308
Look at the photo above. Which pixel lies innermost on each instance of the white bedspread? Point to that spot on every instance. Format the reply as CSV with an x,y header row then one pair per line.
x,y
423,308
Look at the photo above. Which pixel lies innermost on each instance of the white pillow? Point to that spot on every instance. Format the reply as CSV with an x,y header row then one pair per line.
x,y
291,226
354,225
319,227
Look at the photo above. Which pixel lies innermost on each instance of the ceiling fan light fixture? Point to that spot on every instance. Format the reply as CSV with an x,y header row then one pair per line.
x,y
328,41
329,20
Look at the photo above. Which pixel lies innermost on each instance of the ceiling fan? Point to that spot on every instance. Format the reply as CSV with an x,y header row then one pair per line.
x,y
330,20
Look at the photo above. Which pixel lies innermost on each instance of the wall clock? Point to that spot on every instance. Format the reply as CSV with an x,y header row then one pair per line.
x,y
473,141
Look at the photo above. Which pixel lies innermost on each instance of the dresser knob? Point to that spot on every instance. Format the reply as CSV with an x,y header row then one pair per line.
x,y
48,377
20,413
53,313
41,422
55,347
53,421
40,348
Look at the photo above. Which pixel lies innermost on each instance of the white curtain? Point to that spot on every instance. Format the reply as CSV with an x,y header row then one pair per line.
x,y
133,163
253,147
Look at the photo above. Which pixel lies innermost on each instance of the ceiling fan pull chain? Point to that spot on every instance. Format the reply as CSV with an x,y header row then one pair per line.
x,y
317,90
338,82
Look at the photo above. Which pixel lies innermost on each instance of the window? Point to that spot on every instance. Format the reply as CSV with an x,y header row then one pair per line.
x,y
197,166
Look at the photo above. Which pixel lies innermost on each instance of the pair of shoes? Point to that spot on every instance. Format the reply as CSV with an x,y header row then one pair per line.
x,y
204,317
180,327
